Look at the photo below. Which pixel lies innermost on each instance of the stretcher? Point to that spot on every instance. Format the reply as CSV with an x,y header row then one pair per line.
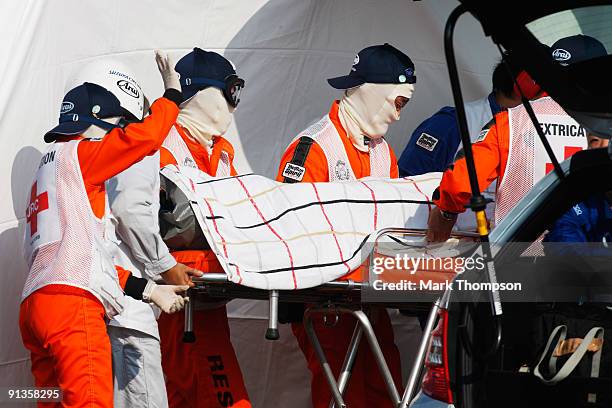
x,y
336,298
314,244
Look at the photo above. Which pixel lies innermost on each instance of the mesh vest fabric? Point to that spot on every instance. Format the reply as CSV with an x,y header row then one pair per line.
x,y
178,148
325,134
527,160
74,253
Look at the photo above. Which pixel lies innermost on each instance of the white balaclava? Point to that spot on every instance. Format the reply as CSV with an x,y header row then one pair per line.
x,y
96,132
205,115
368,110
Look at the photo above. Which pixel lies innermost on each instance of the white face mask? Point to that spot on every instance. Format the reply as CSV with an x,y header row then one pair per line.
x,y
95,132
368,110
205,115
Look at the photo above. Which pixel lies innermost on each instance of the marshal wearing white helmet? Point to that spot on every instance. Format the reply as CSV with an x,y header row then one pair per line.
x,y
72,282
114,76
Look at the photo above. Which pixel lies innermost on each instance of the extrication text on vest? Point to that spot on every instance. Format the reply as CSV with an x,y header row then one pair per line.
x,y
47,158
221,381
560,129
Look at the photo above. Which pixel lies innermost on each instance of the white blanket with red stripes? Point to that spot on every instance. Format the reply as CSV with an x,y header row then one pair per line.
x,y
271,235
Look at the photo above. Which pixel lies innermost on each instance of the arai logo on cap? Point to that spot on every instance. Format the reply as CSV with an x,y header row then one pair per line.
x,y
561,55
129,88
66,107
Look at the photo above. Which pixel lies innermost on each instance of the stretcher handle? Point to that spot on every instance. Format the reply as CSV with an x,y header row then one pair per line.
x,y
418,233
272,331
189,334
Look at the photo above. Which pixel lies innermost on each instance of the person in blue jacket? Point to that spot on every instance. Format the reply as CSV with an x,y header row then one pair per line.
x,y
588,221
435,142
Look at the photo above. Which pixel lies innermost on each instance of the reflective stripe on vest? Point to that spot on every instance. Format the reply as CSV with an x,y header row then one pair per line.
x,y
64,240
325,134
527,161
175,144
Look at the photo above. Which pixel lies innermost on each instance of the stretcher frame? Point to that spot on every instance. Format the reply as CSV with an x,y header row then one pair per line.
x,y
331,299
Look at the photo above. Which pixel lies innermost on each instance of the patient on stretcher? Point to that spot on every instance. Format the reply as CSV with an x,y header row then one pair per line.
x,y
270,235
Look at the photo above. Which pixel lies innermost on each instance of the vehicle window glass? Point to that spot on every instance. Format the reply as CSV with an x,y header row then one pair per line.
x,y
593,21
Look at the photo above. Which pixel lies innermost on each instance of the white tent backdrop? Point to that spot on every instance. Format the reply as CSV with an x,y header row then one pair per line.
x,y
283,48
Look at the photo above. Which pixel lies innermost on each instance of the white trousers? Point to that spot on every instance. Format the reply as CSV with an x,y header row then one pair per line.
x,y
137,371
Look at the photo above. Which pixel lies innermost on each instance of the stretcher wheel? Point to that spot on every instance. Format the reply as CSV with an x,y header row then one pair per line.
x,y
272,334
189,337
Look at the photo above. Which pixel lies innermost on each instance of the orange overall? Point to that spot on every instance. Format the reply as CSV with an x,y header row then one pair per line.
x,y
204,374
366,388
64,326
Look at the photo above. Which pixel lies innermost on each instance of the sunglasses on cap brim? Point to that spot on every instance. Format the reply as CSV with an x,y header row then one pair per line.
x,y
231,86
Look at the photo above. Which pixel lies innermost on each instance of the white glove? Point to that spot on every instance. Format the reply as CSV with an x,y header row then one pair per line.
x,y
166,69
166,297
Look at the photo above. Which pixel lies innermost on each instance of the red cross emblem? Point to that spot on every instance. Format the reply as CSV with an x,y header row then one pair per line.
x,y
38,203
568,151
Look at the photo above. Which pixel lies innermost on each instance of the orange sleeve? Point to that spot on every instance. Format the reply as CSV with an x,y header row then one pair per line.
x,y
165,157
123,275
394,172
315,164
455,191
120,148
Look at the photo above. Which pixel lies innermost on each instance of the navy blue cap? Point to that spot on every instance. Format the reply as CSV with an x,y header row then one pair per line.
x,y
576,48
200,64
378,64
79,107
